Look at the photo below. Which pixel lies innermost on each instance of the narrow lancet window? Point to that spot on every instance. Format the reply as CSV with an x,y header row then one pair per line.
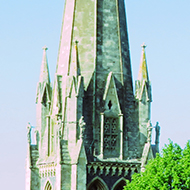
x,y
109,104
48,186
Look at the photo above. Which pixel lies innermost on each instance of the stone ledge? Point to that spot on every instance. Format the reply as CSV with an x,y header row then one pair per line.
x,y
113,169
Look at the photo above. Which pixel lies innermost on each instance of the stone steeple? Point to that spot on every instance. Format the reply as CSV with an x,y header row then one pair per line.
x,y
99,53
91,127
85,24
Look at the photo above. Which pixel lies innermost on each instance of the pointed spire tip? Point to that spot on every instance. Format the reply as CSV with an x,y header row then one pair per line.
x,y
44,74
143,71
76,44
143,45
45,48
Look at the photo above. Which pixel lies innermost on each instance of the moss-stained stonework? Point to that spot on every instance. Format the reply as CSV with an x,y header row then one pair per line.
x,y
92,131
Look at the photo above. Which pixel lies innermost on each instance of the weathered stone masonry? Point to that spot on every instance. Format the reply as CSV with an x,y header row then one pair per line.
x,y
92,131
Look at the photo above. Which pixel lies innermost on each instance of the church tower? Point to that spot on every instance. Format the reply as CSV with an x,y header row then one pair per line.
x,y
92,131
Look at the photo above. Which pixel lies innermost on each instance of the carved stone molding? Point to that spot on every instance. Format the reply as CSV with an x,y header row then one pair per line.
x,y
126,171
107,170
113,169
120,170
89,168
101,170
47,170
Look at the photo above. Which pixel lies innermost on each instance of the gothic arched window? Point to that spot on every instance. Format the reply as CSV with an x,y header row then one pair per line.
x,y
44,99
111,137
119,184
97,184
48,186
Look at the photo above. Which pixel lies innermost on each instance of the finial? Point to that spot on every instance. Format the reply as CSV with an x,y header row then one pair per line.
x,y
76,44
143,45
143,71
45,48
44,74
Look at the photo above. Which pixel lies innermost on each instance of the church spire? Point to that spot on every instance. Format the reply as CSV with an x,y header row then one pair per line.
x,y
91,120
44,74
143,71
100,27
100,50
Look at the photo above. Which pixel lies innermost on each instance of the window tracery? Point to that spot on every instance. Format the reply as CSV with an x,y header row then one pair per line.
x,y
97,184
110,134
48,186
119,185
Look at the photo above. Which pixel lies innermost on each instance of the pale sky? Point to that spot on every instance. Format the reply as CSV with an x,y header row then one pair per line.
x,y
26,26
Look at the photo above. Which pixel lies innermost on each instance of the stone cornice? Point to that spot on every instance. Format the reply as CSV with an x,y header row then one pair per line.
x,y
113,169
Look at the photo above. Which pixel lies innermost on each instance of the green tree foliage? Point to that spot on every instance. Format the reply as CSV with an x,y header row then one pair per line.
x,y
170,170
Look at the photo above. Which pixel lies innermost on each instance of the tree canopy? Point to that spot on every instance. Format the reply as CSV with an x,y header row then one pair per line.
x,y
169,170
